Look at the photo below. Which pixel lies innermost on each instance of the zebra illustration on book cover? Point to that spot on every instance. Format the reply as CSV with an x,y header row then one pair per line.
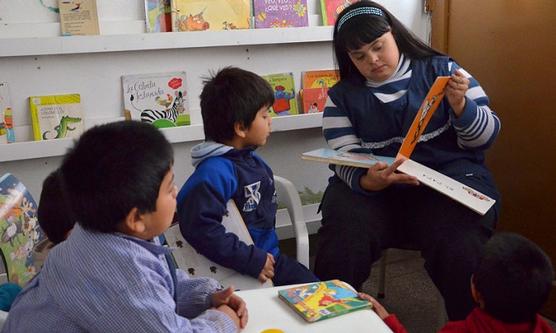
x,y
157,98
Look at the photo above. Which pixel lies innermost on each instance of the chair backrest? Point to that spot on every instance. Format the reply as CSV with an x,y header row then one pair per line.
x,y
196,265
19,230
288,196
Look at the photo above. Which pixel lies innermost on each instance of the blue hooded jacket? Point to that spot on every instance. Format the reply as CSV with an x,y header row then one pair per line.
x,y
223,173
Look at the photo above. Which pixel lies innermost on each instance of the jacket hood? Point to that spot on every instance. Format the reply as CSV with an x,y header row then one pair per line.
x,y
207,149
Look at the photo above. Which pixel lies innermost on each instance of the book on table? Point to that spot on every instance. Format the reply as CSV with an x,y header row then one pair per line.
x,y
322,300
197,265
462,193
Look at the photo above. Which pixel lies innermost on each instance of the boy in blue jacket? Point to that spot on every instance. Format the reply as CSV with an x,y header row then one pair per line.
x,y
235,108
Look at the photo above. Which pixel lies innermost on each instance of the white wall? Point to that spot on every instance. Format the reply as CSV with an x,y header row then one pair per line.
x,y
97,78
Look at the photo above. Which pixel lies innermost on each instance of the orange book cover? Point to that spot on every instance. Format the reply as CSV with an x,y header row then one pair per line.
x,y
314,99
429,105
320,79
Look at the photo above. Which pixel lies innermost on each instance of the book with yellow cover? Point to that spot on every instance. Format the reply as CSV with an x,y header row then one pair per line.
x,y
320,78
197,15
56,116
78,17
323,300
285,103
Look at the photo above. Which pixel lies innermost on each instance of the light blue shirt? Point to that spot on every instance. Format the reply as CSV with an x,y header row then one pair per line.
x,y
99,282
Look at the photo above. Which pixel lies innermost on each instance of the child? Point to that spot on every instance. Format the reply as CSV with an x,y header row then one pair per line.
x,y
510,285
54,214
108,276
385,74
235,108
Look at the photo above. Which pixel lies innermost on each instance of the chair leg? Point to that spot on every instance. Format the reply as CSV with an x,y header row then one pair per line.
x,y
382,276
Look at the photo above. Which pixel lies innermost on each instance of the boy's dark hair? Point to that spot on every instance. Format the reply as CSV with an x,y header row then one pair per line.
x,y
232,95
54,213
363,29
114,168
514,278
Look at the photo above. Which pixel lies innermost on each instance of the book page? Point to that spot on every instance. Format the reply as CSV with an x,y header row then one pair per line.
x,y
78,17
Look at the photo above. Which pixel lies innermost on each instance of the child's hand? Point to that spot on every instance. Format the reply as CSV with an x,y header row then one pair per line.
x,y
236,303
377,307
231,313
268,269
455,92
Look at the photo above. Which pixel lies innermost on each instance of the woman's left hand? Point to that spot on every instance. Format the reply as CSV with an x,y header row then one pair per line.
x,y
455,92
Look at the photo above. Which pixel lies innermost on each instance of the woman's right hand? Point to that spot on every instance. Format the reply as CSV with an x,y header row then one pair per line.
x,y
380,176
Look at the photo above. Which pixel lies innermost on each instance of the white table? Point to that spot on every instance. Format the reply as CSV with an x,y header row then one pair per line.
x,y
267,311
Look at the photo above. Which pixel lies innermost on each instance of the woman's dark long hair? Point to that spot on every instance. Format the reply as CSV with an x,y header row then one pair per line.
x,y
363,29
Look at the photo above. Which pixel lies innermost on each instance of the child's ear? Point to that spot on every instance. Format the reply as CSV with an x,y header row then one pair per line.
x,y
134,222
240,129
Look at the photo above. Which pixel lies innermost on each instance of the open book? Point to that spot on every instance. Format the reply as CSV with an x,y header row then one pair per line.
x,y
197,265
321,300
467,196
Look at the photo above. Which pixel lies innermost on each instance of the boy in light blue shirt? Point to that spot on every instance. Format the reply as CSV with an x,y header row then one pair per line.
x,y
109,275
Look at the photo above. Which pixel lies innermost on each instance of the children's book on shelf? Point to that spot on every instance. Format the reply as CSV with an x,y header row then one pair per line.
x,y
322,300
315,89
157,98
158,15
6,116
196,265
78,17
283,86
196,15
56,116
280,13
330,9
464,194
325,78
313,99
19,230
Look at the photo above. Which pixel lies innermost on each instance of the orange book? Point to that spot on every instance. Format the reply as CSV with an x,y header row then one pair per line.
x,y
320,79
430,104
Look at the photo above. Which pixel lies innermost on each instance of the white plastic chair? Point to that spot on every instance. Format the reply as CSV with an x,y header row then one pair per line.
x,y
187,258
288,196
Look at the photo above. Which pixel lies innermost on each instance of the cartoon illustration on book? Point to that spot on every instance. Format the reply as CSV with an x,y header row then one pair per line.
x,y
322,300
157,98
67,124
192,22
282,99
19,229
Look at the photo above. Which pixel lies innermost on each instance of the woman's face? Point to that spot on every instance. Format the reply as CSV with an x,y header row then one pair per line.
x,y
378,60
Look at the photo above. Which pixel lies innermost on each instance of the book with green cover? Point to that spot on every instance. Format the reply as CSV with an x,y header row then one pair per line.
x,y
285,103
323,300
56,116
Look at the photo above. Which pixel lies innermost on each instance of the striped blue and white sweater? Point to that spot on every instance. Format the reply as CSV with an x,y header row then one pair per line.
x,y
375,117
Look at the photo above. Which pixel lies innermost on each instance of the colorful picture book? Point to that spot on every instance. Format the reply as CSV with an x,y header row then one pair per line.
x,y
56,116
320,78
19,230
280,13
78,17
283,86
467,196
195,264
332,8
323,300
315,89
158,15
7,134
157,98
196,15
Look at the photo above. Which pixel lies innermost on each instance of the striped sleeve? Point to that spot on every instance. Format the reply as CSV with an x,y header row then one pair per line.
x,y
339,134
478,125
